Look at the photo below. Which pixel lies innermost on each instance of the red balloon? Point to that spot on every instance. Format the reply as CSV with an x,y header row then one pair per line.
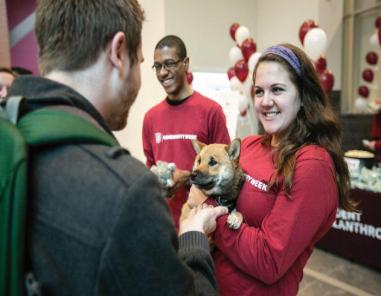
x,y
363,91
327,80
321,64
231,73
368,75
248,47
233,28
189,77
305,27
241,70
371,58
377,24
379,36
243,113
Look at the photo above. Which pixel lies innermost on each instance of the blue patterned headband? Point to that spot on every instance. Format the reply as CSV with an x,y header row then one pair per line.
x,y
286,54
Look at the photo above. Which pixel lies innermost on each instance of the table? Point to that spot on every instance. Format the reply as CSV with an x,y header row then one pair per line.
x,y
357,236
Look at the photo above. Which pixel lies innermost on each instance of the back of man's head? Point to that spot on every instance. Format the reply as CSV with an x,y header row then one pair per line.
x,y
72,33
175,42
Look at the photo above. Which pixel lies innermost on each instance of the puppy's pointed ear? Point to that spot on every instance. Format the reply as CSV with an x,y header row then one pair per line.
x,y
197,145
234,149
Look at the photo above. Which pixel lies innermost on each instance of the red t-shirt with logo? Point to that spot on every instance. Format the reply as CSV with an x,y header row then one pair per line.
x,y
169,129
267,254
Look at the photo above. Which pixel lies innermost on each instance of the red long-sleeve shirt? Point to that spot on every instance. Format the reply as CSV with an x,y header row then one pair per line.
x,y
169,129
267,254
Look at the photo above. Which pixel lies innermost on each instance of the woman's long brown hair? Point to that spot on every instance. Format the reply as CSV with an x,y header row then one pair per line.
x,y
315,123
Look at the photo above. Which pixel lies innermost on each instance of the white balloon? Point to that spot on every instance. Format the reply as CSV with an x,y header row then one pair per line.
x,y
373,40
235,54
315,43
246,85
241,34
243,103
253,61
361,104
235,84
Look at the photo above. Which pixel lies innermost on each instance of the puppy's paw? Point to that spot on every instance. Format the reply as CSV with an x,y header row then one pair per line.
x,y
235,220
164,171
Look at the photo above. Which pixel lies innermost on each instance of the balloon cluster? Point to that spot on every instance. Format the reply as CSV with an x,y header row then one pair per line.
x,y
368,74
243,57
314,41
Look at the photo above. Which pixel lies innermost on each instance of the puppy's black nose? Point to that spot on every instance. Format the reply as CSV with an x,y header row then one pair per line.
x,y
193,176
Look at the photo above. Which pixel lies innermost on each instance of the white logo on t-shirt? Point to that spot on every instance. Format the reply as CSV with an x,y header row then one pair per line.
x,y
254,182
159,137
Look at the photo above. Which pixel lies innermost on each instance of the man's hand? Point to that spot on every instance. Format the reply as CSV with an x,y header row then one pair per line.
x,y
202,218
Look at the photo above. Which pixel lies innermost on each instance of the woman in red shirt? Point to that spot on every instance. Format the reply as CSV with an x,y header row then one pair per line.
x,y
296,177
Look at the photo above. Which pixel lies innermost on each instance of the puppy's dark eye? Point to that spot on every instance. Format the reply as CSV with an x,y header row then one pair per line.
x,y
199,160
212,162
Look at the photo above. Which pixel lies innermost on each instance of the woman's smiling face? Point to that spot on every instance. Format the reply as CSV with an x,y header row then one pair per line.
x,y
276,99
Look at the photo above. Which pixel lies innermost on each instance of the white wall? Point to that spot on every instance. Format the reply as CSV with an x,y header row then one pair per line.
x,y
204,26
330,18
5,58
279,21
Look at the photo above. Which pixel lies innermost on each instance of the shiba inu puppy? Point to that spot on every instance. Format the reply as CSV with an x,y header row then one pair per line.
x,y
216,172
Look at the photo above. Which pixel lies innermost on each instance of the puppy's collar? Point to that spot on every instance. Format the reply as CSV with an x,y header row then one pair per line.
x,y
225,203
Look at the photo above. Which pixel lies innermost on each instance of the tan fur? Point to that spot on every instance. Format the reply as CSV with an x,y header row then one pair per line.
x,y
216,172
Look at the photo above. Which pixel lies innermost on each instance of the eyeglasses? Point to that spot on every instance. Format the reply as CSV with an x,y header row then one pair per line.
x,y
168,65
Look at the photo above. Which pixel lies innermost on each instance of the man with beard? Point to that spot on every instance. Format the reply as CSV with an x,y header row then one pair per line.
x,y
97,223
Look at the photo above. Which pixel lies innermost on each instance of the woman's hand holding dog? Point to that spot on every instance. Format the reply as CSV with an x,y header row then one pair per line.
x,y
202,218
